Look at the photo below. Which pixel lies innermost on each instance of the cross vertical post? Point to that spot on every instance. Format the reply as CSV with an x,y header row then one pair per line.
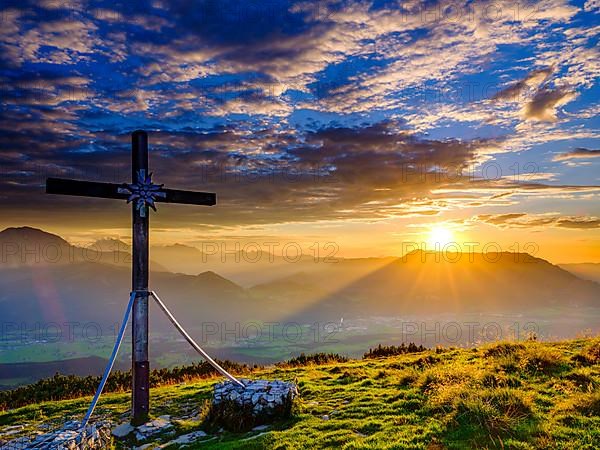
x,y
140,224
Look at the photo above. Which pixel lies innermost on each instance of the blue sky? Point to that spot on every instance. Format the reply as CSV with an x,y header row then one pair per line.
x,y
346,96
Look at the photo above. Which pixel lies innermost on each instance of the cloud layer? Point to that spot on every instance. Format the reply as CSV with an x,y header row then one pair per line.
x,y
301,111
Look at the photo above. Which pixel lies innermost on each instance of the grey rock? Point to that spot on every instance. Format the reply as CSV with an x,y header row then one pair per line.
x,y
94,436
144,447
140,436
189,438
122,430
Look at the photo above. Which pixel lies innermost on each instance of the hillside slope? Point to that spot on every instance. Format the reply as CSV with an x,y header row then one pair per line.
x,y
503,395
585,271
84,292
433,283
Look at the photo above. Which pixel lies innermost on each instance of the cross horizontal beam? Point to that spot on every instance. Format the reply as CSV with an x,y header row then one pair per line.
x,y
80,188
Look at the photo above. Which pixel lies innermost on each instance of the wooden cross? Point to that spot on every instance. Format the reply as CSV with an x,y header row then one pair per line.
x,y
143,193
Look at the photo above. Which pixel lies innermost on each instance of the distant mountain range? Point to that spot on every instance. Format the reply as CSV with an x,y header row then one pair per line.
x,y
93,292
27,246
427,283
95,287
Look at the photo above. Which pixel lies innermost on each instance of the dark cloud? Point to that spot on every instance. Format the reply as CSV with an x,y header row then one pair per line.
x,y
529,83
499,219
539,101
578,153
524,220
263,177
266,176
578,222
543,105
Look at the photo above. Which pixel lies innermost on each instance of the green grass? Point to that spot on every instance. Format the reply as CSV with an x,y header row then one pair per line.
x,y
529,395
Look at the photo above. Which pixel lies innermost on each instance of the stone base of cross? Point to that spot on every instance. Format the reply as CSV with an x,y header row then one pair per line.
x,y
256,403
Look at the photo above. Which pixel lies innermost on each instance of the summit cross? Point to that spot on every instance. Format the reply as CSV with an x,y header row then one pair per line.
x,y
143,194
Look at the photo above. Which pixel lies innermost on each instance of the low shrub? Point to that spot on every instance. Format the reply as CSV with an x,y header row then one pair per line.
x,y
538,359
315,358
64,387
503,349
580,404
392,350
407,377
533,358
493,410
349,377
590,355
589,404
381,374
493,380
582,379
438,379
426,361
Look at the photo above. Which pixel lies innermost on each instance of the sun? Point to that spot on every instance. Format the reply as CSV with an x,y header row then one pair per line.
x,y
439,236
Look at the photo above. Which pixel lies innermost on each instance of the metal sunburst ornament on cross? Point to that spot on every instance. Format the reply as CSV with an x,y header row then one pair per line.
x,y
144,192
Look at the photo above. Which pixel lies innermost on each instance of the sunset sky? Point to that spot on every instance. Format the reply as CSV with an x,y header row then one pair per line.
x,y
366,124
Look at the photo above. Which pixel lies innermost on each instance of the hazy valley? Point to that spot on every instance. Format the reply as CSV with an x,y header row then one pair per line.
x,y
59,308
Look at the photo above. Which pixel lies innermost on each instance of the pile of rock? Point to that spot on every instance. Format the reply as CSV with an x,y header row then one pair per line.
x,y
151,429
160,429
238,408
70,437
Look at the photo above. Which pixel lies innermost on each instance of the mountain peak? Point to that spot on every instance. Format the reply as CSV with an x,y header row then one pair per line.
x,y
491,257
20,235
112,245
212,280
210,275
179,245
